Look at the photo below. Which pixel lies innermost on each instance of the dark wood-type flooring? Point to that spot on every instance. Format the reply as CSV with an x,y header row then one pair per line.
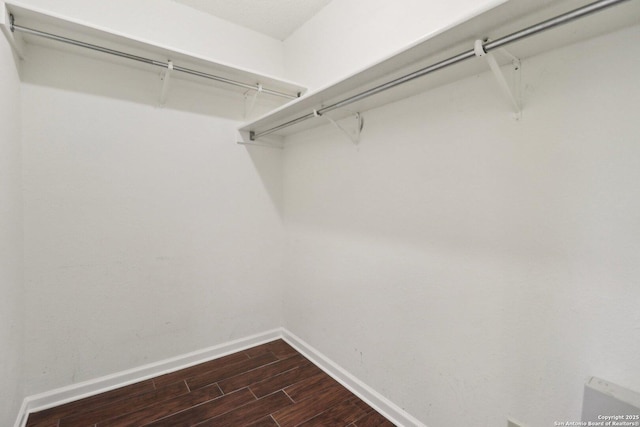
x,y
269,385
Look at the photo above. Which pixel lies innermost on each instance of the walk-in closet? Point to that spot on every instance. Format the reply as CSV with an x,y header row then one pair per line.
x,y
319,213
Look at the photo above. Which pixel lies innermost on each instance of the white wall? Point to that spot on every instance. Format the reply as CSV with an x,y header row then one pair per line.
x,y
11,258
348,35
467,266
464,265
174,25
148,234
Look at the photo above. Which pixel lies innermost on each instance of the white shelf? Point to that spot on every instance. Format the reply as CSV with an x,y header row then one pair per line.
x,y
504,18
33,18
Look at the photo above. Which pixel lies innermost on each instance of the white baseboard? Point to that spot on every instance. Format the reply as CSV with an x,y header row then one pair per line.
x,y
377,401
84,389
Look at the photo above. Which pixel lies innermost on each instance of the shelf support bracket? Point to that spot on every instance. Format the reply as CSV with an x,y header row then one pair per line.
x,y
248,108
166,77
6,24
269,141
512,93
353,135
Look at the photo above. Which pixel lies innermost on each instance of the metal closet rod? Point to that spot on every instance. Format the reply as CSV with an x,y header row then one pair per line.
x,y
519,35
161,64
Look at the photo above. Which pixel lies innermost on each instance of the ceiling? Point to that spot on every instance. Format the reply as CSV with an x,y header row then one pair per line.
x,y
275,18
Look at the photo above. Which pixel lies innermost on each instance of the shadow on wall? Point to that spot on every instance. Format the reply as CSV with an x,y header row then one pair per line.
x,y
263,159
110,77
142,84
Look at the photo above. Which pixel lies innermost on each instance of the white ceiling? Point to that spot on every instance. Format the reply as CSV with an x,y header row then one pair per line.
x,y
275,18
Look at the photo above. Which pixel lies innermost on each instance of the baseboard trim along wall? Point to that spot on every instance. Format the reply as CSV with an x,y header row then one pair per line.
x,y
84,389
374,399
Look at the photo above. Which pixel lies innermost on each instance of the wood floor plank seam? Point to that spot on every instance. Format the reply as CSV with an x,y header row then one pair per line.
x,y
254,395
269,385
250,412
92,402
191,371
284,380
308,408
147,399
265,371
229,371
207,410
264,422
168,408
285,392
339,415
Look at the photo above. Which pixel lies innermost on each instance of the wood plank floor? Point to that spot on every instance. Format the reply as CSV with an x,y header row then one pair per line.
x,y
269,385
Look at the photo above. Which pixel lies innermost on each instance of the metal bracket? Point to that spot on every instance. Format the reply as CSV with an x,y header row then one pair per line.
x,y
166,77
7,26
248,108
512,93
353,135
269,141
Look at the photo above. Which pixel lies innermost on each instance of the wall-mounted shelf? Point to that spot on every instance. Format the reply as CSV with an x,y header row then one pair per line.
x,y
505,18
180,64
